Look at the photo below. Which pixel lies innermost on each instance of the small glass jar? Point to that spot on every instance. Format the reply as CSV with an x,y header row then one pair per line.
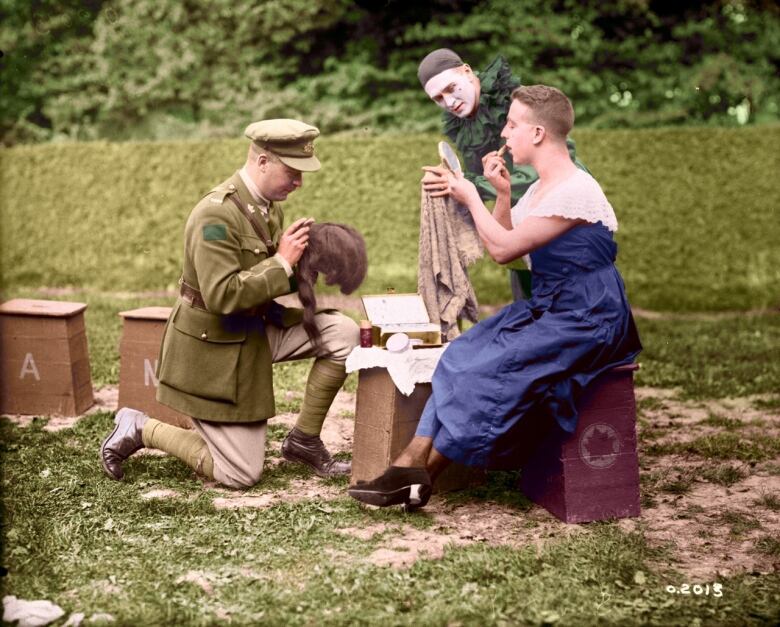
x,y
366,340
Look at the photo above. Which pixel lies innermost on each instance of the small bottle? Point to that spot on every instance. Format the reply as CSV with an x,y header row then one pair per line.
x,y
365,334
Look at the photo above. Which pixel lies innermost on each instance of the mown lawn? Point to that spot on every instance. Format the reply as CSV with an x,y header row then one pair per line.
x,y
92,545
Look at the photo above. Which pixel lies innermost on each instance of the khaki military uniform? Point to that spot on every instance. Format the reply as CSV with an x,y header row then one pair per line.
x,y
226,331
216,364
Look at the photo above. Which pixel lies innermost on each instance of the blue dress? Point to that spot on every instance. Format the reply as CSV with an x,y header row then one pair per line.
x,y
535,356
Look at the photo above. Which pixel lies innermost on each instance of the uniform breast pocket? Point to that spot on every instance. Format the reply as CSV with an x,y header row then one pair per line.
x,y
253,251
200,357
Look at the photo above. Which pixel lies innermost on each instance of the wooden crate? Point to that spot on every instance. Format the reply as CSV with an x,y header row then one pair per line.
x,y
139,349
593,474
385,422
44,361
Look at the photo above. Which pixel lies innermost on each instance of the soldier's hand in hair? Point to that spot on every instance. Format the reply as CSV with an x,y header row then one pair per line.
x,y
294,240
435,180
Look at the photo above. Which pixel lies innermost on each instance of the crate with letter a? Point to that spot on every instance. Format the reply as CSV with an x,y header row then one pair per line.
x,y
139,349
44,362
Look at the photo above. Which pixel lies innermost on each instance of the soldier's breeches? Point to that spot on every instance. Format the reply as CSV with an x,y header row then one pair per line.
x,y
325,380
187,445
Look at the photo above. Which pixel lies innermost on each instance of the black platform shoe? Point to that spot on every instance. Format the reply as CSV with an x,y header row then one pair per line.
x,y
410,487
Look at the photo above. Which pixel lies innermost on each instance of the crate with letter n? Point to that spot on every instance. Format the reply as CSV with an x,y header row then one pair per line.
x,y
139,349
594,473
44,361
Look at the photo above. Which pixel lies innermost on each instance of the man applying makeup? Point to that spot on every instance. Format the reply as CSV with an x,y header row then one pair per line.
x,y
475,109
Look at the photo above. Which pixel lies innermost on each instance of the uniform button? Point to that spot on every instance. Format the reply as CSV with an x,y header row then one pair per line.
x,y
231,187
204,336
257,251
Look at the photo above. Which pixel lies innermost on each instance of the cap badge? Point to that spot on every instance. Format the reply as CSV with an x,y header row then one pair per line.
x,y
308,148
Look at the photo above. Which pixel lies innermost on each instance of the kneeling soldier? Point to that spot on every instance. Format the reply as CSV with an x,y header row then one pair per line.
x,y
226,331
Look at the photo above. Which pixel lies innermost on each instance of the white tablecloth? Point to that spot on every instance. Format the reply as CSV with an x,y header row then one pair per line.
x,y
405,369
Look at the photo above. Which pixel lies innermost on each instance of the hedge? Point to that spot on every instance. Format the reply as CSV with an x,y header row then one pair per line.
x,y
698,211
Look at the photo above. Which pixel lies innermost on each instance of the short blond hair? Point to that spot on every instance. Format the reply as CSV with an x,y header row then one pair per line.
x,y
551,108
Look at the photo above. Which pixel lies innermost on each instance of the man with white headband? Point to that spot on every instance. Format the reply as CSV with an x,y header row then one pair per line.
x,y
475,110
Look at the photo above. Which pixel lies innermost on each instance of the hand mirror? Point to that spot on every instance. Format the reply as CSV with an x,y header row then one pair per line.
x,y
448,157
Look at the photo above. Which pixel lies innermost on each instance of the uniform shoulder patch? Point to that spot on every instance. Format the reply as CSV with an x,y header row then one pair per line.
x,y
212,232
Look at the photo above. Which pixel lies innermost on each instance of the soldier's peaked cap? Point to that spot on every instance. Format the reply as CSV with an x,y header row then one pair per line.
x,y
290,140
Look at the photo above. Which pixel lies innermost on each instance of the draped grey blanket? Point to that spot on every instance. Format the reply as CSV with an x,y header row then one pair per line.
x,y
448,245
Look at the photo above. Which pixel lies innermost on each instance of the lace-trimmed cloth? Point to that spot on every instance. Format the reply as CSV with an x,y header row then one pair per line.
x,y
577,197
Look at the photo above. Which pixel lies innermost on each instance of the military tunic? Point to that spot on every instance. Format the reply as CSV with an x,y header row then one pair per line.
x,y
215,364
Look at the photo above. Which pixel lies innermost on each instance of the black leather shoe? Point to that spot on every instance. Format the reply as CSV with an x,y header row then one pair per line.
x,y
310,450
123,441
410,487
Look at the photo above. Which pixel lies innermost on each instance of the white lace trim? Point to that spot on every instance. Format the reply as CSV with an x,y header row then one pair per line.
x,y
578,197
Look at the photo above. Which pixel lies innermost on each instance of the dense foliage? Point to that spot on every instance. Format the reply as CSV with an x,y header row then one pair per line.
x,y
119,69
697,211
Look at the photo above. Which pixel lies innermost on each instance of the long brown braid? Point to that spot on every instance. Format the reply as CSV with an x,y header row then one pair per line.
x,y
336,251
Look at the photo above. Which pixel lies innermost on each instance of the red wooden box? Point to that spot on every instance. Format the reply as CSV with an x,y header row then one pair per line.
x,y
139,349
593,474
44,362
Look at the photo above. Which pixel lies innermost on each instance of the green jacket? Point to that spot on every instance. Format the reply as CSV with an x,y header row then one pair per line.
x,y
215,364
477,136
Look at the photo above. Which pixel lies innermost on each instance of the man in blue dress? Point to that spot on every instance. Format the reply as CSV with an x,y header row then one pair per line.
x,y
535,356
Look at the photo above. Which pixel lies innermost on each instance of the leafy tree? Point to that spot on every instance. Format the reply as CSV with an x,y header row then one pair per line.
x,y
120,69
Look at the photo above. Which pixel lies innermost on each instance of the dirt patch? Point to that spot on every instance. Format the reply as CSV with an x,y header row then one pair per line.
x,y
198,578
709,529
697,526
159,494
338,428
665,419
297,490
105,400
413,544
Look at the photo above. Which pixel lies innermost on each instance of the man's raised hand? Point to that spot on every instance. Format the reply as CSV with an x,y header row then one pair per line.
x,y
294,240
494,170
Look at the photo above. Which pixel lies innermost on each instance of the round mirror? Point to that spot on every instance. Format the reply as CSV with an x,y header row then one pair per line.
x,y
448,157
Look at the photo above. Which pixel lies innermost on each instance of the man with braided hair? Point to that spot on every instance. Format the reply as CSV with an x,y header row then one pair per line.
x,y
226,330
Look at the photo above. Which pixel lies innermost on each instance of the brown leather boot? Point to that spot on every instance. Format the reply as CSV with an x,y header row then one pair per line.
x,y
310,450
123,441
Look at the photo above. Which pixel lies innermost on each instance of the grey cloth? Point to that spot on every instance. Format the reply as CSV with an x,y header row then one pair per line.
x,y
449,243
436,62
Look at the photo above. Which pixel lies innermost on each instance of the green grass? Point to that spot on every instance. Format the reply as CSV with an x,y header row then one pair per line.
x,y
720,446
740,523
768,500
111,215
723,474
717,358
93,545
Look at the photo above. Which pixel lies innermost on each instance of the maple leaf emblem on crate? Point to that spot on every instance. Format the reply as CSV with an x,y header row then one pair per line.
x,y
599,446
